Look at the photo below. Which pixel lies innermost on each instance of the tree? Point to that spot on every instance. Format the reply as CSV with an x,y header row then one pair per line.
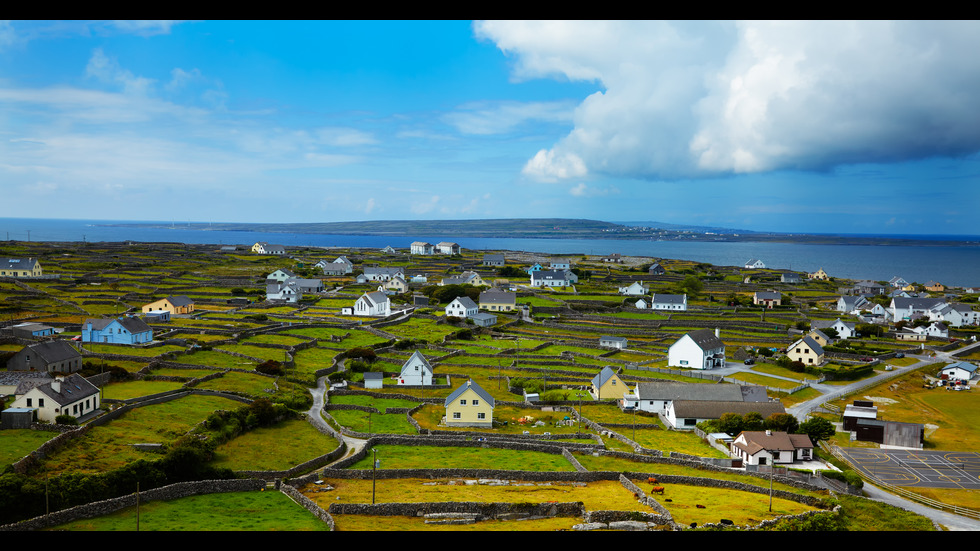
x,y
753,421
691,285
817,428
783,422
731,423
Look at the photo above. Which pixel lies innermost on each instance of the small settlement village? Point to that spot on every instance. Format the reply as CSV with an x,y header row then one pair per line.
x,y
423,386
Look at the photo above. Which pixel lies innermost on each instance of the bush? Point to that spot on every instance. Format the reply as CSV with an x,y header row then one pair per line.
x,y
271,367
65,419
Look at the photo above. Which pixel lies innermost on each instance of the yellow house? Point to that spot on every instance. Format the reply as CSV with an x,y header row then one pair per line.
x,y
607,385
820,274
807,351
174,304
470,406
935,287
819,336
20,267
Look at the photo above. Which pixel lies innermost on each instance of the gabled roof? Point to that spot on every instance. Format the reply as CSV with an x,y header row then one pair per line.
x,y
660,298
465,302
603,376
54,351
417,356
473,386
768,295
966,366
810,343
375,297
608,338
498,297
756,441
133,325
17,263
675,390
706,339
180,300
73,388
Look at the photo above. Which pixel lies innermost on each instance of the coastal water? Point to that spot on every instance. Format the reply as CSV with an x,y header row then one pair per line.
x,y
951,265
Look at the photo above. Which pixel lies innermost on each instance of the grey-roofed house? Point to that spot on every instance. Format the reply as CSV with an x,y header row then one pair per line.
x,y
71,395
482,319
656,269
462,307
767,298
32,330
789,277
701,349
469,406
806,350
607,341
607,384
20,267
656,396
494,260
375,304
498,301
661,301
373,379
49,356
124,330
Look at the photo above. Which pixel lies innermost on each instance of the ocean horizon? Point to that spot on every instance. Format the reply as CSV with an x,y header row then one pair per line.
x,y
951,265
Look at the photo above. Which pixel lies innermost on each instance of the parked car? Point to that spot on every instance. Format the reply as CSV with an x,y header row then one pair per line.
x,y
749,361
899,355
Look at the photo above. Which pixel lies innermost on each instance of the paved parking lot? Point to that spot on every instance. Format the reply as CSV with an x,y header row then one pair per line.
x,y
921,468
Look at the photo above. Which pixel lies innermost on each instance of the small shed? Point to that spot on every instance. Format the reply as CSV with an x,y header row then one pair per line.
x,y
373,379
612,342
483,320
17,418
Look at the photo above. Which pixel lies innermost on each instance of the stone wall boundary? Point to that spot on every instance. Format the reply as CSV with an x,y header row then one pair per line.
x,y
308,504
164,493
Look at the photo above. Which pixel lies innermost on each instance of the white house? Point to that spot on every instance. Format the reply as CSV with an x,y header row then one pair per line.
x,y
559,264
71,395
686,414
287,291
375,303
416,371
446,247
852,304
660,301
755,263
553,278
935,329
282,274
656,396
341,266
423,248
845,330
612,342
375,273
770,448
634,289
702,349
960,371
462,307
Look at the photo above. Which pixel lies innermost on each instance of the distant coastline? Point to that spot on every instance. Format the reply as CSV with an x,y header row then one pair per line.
x,y
557,228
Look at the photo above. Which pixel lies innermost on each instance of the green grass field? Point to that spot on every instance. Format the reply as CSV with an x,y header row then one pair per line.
x,y
239,512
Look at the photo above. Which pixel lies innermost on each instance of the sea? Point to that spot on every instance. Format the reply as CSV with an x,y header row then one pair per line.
x,y
954,265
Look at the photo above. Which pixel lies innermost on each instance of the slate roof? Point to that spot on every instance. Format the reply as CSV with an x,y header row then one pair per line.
x,y
603,376
498,297
812,344
659,298
54,351
9,263
476,388
375,297
674,390
706,339
73,388
133,325
180,300
466,302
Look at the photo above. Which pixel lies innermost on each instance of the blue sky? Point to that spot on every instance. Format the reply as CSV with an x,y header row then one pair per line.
x,y
822,127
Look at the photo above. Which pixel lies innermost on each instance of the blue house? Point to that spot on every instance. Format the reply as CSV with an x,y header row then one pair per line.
x,y
117,331
535,268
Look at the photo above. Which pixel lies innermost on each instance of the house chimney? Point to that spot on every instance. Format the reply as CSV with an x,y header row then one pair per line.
x,y
768,432
717,332
56,385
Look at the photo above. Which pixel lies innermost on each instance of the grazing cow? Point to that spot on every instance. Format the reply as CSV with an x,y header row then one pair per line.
x,y
699,506
652,480
657,490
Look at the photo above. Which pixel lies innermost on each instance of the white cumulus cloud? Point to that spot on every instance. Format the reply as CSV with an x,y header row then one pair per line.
x,y
686,99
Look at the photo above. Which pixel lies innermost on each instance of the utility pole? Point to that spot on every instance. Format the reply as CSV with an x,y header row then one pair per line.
x,y
374,474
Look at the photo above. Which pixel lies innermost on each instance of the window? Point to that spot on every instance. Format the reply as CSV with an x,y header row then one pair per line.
x,y
40,402
481,415
476,402
456,415
28,402
462,402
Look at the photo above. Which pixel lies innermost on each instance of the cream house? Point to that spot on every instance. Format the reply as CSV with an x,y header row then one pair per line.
x,y
179,304
806,350
72,395
470,406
